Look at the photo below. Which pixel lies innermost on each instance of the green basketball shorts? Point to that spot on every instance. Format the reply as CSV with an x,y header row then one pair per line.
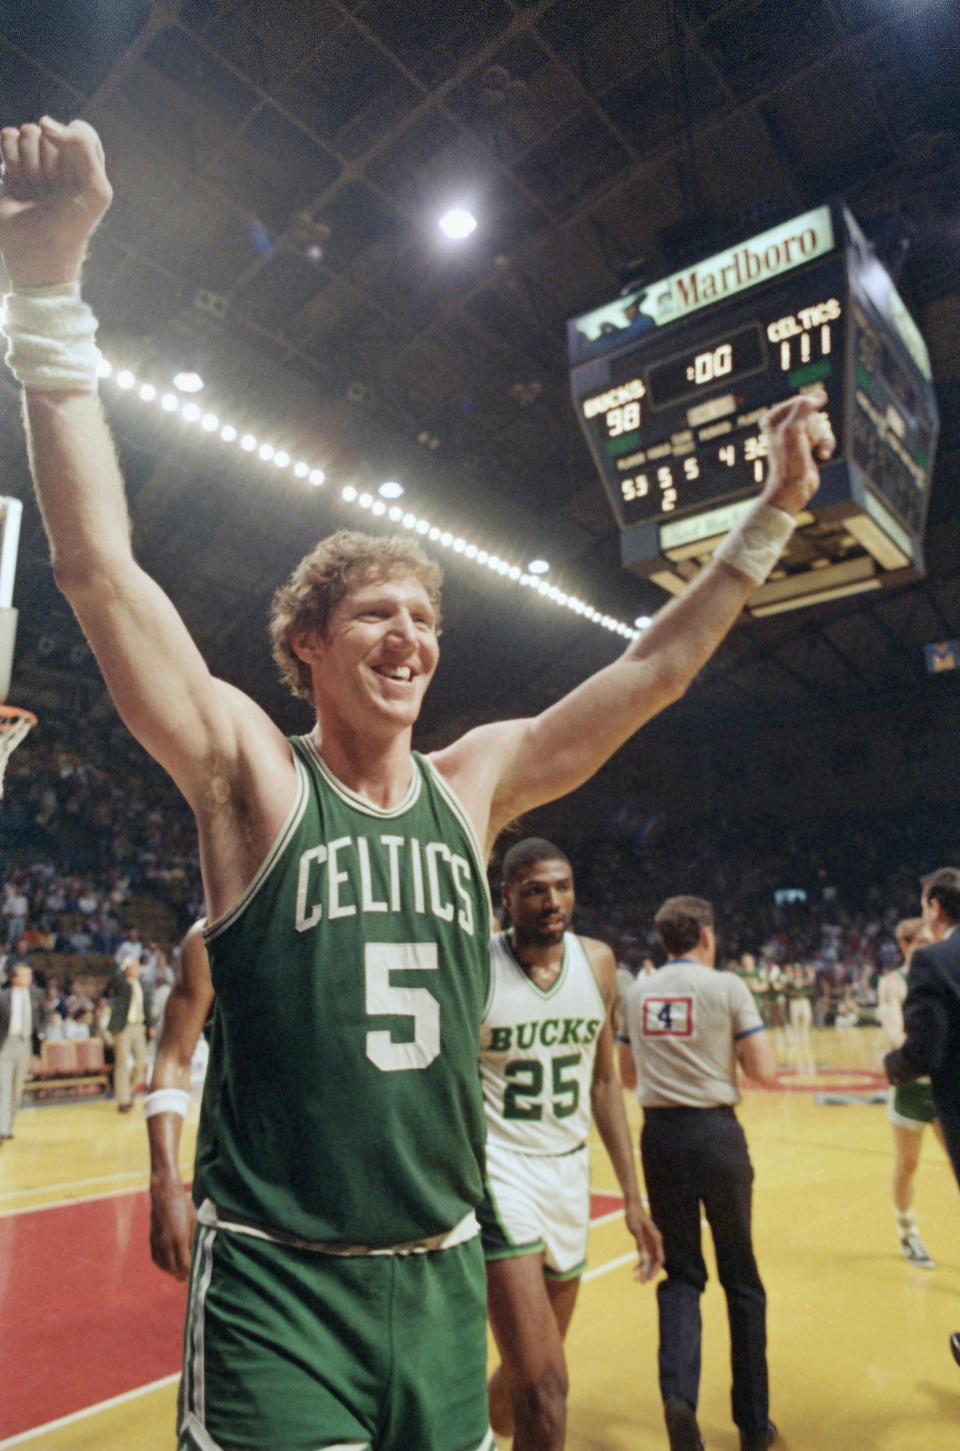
x,y
911,1105
288,1349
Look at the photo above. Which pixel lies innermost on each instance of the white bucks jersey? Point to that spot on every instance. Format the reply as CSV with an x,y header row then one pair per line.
x,y
537,1048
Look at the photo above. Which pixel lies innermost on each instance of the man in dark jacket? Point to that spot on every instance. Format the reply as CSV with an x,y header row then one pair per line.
x,y
931,1015
129,1025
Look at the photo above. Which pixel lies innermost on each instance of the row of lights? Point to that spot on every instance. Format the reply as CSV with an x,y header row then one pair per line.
x,y
379,505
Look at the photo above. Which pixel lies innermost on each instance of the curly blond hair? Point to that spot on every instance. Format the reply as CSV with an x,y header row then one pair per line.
x,y
322,579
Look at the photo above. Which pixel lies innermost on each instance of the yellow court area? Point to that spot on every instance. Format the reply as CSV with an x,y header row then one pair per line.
x,y
858,1338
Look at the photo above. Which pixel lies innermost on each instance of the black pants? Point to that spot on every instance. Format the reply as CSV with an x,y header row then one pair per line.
x,y
692,1155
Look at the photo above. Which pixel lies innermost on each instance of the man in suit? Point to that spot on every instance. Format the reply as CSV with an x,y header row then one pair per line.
x,y
21,1017
931,1015
129,1025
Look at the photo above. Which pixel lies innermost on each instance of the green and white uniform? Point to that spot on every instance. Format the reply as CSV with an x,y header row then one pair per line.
x,y
910,1105
340,1147
537,1050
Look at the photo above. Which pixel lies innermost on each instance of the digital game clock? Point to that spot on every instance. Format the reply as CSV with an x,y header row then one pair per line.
x,y
670,383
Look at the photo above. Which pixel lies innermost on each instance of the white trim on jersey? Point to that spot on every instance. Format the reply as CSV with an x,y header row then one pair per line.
x,y
352,798
465,1229
213,929
537,1050
460,812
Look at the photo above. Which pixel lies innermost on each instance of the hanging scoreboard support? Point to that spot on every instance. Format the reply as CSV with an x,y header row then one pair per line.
x,y
670,383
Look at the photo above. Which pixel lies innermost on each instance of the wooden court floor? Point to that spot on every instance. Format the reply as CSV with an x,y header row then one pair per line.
x,y
858,1350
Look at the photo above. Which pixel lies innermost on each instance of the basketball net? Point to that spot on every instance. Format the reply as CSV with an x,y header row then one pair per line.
x,y
14,725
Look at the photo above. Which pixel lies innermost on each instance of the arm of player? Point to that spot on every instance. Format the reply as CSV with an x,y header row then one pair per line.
x,y
528,762
890,1008
925,1024
755,1056
628,1067
172,1215
606,1103
55,189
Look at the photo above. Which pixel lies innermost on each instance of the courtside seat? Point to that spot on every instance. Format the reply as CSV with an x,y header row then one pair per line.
x,y
57,1058
66,1066
90,1055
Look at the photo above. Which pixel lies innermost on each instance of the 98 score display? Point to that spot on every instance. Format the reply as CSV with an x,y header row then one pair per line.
x,y
674,420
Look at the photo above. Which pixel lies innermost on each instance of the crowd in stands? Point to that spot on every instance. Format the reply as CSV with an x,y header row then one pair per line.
x,y
826,894
87,829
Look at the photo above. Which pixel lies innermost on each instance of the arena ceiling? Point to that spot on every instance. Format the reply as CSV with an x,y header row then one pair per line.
x,y
279,168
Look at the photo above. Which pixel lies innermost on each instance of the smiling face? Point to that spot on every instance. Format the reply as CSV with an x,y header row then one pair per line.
x,y
372,665
539,898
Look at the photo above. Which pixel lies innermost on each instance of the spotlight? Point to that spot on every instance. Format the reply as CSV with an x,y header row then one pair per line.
x,y
458,223
188,382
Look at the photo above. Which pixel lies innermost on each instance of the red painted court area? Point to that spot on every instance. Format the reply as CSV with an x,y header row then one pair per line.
x,y
84,1313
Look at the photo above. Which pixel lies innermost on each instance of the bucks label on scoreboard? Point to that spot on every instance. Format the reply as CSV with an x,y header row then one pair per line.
x,y
670,383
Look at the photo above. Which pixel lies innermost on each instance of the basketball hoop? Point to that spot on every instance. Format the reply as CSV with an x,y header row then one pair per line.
x,y
14,725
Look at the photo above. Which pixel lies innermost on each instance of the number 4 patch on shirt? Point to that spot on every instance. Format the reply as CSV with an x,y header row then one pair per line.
x,y
667,1017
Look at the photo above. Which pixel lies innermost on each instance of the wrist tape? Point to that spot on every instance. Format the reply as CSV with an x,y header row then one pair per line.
x,y
50,334
756,543
166,1100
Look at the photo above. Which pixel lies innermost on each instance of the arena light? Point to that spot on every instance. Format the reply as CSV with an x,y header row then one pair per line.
x,y
529,578
188,382
458,224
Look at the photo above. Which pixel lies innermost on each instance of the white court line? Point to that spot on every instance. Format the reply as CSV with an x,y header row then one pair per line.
x,y
75,1183
604,1269
606,1218
68,1203
75,1416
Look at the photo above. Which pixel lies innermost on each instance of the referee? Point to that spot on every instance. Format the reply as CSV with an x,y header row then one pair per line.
x,y
683,1032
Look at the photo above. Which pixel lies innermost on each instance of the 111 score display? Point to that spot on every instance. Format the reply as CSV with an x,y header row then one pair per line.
x,y
669,437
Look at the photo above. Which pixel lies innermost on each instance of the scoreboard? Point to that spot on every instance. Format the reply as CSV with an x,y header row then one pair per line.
x,y
670,383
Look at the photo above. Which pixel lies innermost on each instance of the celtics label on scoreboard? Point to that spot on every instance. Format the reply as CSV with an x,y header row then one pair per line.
x,y
670,382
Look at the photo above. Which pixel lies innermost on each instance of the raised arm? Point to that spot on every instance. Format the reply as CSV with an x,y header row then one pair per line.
x,y
172,1215
606,1103
518,765
55,189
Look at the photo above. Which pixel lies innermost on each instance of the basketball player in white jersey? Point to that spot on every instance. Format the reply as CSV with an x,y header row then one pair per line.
x,y
547,1065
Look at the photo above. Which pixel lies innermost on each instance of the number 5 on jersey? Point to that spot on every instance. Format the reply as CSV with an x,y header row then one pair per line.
x,y
386,999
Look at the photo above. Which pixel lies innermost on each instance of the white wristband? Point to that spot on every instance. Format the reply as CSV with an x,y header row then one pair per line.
x,y
166,1100
50,334
756,543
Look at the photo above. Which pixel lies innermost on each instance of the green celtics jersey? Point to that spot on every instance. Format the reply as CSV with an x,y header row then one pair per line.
x,y
342,1102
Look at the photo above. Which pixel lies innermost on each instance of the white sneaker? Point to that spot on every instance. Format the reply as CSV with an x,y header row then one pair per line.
x,y
915,1251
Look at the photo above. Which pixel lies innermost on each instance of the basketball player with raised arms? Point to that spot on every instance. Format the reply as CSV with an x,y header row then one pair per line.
x,y
337,1289
546,1060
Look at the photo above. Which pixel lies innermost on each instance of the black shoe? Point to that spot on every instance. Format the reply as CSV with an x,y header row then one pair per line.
x,y
682,1428
124,1107
758,1440
955,1346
